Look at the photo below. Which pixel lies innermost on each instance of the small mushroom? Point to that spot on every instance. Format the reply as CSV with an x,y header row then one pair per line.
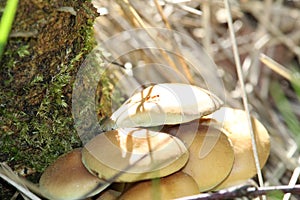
x,y
133,154
174,186
168,103
211,153
67,178
234,124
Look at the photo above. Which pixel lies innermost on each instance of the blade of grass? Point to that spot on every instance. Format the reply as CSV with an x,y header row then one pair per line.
x,y
279,69
168,26
156,192
293,77
273,192
292,182
286,111
272,28
6,22
8,175
207,27
127,6
296,83
244,95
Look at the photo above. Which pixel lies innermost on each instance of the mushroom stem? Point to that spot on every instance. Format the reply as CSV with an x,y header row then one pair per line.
x,y
170,187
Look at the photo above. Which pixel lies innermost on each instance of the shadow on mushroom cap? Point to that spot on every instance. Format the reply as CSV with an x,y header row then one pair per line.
x,y
133,154
168,103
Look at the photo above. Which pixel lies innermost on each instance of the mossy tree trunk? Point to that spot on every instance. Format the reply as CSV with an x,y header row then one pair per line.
x,y
47,45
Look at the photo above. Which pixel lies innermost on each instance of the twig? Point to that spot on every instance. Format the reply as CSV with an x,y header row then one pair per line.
x,y
163,17
292,182
207,27
128,7
168,26
276,67
248,191
273,29
244,95
7,175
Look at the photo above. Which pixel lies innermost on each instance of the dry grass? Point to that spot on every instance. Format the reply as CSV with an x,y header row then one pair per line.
x,y
191,43
267,33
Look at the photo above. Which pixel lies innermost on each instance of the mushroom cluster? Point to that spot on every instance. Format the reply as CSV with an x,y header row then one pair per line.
x,y
167,141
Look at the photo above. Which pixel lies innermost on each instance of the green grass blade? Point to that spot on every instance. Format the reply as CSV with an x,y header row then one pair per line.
x,y
296,83
285,109
6,22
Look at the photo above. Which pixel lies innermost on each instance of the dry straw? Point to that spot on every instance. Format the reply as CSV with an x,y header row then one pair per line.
x,y
264,31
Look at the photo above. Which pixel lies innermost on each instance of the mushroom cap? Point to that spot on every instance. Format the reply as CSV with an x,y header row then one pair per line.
x,y
67,178
211,153
133,154
234,124
108,194
167,103
174,186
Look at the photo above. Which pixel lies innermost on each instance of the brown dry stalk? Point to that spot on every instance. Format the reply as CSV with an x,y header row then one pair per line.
x,y
167,24
244,95
276,67
246,191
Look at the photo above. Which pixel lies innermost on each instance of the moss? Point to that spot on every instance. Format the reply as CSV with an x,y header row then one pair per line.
x,y
37,72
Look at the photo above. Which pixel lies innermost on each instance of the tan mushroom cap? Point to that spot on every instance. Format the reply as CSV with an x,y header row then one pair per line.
x,y
168,103
67,178
133,154
109,195
174,186
211,153
234,122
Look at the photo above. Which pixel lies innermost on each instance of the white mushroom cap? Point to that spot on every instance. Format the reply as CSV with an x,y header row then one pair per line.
x,y
168,103
174,186
132,154
234,124
67,178
211,153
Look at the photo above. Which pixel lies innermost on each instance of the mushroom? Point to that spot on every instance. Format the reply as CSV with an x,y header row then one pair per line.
x,y
211,153
233,123
168,103
133,154
108,194
67,178
174,186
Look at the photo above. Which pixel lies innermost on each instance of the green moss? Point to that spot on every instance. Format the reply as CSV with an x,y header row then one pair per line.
x,y
37,75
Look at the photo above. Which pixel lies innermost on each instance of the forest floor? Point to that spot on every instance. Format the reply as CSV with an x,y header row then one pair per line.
x,y
49,42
